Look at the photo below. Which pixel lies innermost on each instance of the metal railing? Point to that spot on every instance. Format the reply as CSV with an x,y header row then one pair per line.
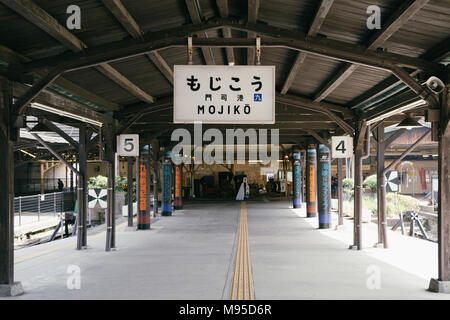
x,y
33,186
30,209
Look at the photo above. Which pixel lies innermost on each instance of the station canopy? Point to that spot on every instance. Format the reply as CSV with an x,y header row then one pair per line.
x,y
331,69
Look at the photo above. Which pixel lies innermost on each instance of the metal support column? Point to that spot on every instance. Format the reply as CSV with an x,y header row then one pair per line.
x,y
324,186
442,284
7,285
130,190
357,213
361,153
311,181
381,188
82,190
110,207
340,178
296,179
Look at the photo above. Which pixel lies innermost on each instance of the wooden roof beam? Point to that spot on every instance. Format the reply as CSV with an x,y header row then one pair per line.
x,y
317,22
129,23
437,53
36,15
252,12
222,5
196,19
276,37
395,21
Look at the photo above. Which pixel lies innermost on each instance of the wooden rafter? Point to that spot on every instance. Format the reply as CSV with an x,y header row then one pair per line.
x,y
395,21
437,53
39,17
222,5
129,23
275,37
13,58
196,19
317,22
253,10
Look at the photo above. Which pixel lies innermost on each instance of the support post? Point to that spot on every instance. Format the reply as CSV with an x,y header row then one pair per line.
x,y
360,154
156,183
110,206
311,181
324,186
442,284
381,189
340,178
7,285
130,190
178,200
167,186
143,219
357,213
82,190
296,179
148,184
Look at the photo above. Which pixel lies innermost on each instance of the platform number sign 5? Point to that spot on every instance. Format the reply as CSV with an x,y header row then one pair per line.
x,y
341,146
128,145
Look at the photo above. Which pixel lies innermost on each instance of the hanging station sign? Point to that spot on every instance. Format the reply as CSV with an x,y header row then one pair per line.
x,y
224,94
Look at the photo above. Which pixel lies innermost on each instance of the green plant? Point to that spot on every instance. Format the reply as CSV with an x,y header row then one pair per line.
x,y
348,184
370,203
396,203
101,182
371,182
98,182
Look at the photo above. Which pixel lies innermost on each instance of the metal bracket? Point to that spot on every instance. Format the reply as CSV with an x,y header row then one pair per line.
x,y
258,51
190,50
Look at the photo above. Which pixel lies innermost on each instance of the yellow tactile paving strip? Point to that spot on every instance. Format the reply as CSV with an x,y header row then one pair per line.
x,y
242,283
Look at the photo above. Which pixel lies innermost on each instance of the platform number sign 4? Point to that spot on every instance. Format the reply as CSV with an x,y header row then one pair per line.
x,y
341,146
128,145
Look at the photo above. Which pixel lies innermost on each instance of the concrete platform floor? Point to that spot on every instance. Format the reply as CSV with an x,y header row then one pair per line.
x,y
190,256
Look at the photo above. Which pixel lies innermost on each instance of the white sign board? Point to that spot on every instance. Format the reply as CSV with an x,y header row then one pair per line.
x,y
341,147
224,94
128,145
392,181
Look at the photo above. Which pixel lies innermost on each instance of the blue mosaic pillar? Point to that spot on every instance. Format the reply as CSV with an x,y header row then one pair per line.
x,y
296,179
324,187
166,208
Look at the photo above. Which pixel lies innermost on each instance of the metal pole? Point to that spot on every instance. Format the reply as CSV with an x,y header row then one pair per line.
x,y
20,211
381,190
340,195
39,207
83,184
109,209
359,157
130,190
